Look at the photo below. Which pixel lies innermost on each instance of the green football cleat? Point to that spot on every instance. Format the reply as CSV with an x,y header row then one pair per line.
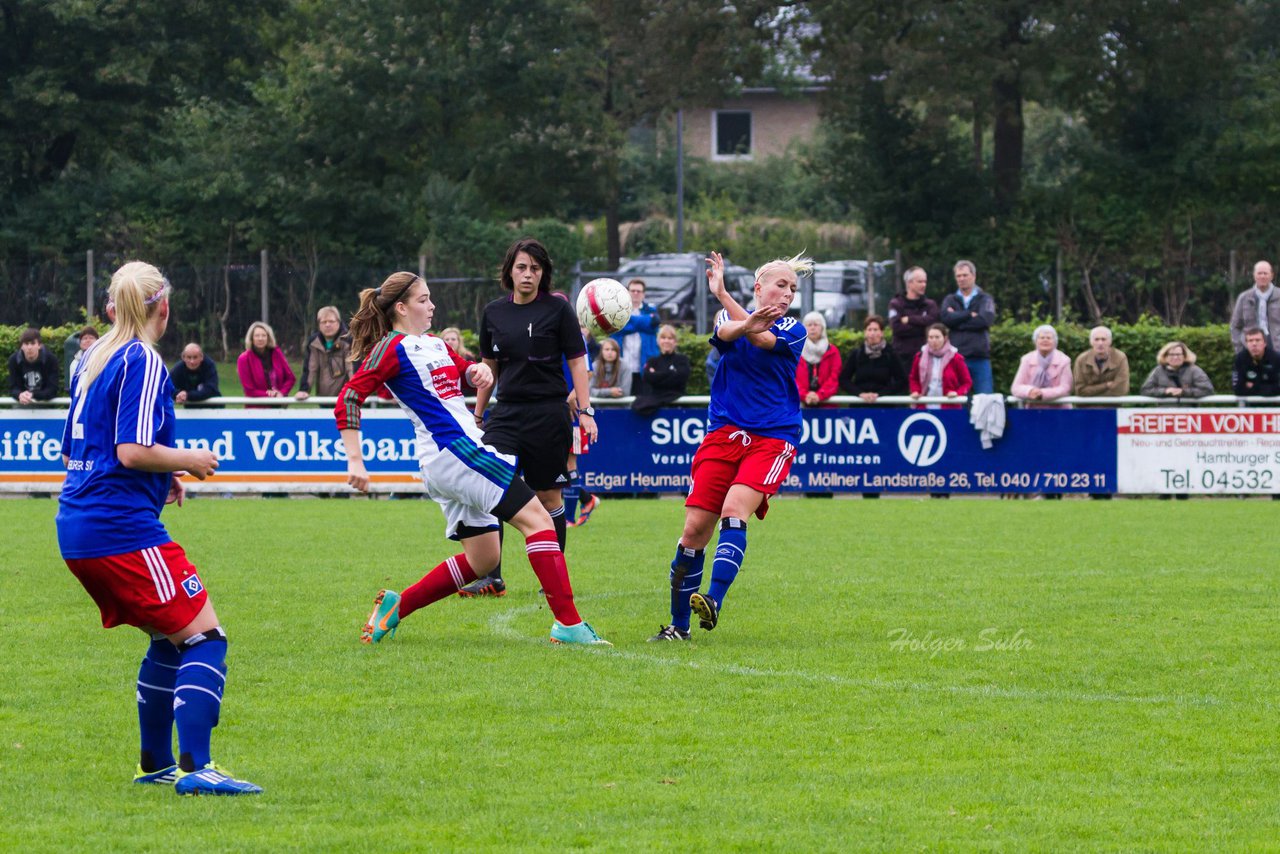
x,y
707,610
163,777
384,619
581,633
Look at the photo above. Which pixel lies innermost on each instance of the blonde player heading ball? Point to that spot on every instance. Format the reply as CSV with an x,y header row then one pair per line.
x,y
753,425
474,484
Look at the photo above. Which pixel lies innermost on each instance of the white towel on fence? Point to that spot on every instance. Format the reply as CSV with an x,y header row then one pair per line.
x,y
987,417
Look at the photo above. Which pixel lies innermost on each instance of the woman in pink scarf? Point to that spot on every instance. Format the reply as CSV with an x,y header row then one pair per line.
x,y
938,369
1045,372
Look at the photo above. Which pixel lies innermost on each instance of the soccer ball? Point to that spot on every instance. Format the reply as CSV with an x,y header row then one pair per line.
x,y
604,305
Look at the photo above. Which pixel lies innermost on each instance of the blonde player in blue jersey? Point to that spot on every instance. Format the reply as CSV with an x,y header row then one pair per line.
x,y
122,469
474,484
753,426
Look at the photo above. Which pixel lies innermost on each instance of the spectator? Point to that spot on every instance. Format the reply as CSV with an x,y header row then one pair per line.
x,y
1044,373
818,371
636,340
86,338
33,370
195,376
911,314
710,364
939,369
1257,307
610,378
1256,371
263,369
873,369
969,313
1102,370
327,359
593,346
452,336
1176,374
666,375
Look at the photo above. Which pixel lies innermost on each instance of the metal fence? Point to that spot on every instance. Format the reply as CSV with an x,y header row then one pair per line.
x,y
214,304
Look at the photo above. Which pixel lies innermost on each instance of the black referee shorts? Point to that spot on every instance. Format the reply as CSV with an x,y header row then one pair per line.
x,y
538,435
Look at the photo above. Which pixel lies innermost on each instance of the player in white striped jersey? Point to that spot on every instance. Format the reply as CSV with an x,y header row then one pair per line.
x,y
475,485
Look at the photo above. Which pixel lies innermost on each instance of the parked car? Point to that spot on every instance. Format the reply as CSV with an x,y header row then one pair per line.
x,y
840,289
673,281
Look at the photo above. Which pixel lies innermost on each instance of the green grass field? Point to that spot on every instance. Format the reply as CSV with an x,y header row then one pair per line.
x,y
888,675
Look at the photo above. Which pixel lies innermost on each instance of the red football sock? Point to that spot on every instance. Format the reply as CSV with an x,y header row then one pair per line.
x,y
548,564
445,580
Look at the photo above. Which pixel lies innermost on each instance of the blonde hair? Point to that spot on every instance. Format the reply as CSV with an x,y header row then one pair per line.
x,y
799,264
372,320
1163,356
328,309
138,290
258,324
668,328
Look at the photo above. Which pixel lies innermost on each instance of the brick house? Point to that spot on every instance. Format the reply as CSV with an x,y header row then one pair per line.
x,y
759,123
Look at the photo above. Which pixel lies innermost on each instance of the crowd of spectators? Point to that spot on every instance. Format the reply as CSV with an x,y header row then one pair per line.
x,y
923,348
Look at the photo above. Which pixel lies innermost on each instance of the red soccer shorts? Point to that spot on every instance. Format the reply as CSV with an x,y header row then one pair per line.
x,y
728,456
156,587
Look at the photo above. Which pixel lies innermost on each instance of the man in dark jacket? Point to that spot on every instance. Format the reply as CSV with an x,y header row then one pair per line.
x,y
969,313
1256,371
195,376
911,313
33,370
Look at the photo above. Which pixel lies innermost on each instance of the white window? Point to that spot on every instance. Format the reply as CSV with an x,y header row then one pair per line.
x,y
731,135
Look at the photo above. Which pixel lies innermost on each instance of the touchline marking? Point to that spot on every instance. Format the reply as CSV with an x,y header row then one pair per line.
x,y
500,625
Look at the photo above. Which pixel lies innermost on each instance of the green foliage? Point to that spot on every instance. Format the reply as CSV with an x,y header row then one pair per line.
x,y
1138,714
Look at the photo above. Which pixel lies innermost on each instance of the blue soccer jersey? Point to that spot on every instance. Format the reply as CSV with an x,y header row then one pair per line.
x,y
105,508
755,389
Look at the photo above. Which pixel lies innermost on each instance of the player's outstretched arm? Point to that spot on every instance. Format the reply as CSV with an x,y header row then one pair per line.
x,y
715,283
161,458
357,475
755,327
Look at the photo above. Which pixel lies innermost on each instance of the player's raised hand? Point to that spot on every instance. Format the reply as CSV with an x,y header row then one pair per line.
x,y
715,274
763,318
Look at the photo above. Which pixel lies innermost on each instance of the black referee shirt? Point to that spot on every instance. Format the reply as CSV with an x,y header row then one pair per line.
x,y
529,342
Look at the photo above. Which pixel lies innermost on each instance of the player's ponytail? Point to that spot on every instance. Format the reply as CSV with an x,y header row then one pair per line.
x,y
374,318
138,290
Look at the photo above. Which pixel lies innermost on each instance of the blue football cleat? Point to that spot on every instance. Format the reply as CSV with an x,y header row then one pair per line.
x,y
212,780
163,777
581,633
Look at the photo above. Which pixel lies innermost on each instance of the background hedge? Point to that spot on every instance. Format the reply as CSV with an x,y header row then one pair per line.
x,y
1009,341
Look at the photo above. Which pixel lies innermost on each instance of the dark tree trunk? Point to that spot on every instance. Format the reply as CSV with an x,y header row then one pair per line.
x,y
1006,155
612,232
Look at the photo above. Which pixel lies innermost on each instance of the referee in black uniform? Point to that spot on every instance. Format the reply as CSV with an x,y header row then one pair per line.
x,y
524,337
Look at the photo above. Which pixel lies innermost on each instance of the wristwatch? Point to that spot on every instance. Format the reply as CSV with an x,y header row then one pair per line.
x,y
588,410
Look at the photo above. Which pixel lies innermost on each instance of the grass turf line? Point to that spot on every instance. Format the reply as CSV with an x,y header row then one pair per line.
x,y
1142,714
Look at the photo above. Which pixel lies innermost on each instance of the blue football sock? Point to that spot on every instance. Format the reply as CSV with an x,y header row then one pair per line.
x,y
686,578
156,678
730,551
197,698
571,494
